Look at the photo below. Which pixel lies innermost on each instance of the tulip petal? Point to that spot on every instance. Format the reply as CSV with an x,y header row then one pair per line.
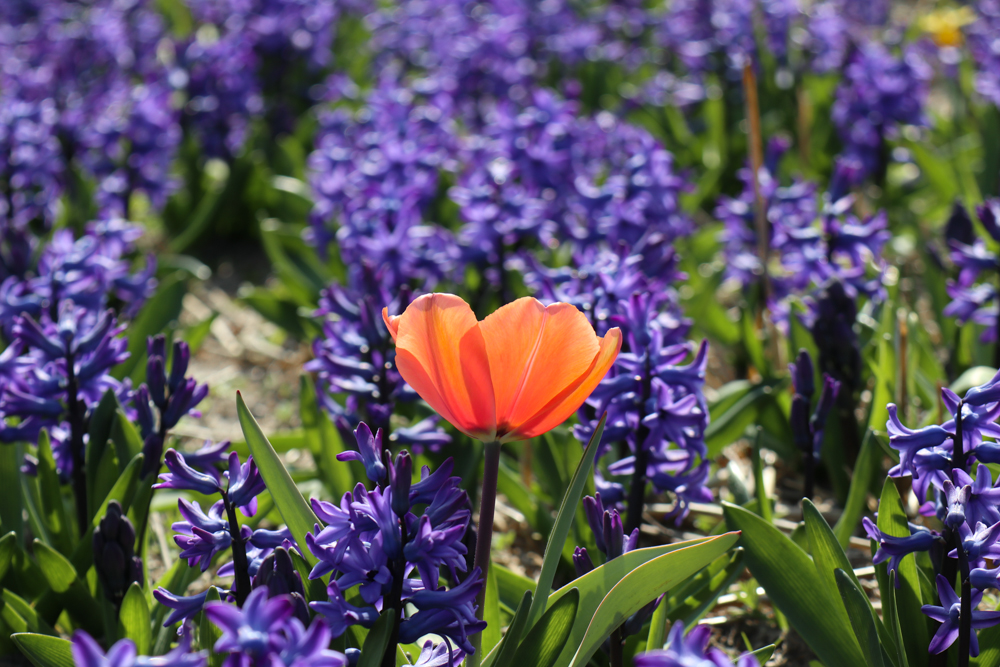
x,y
561,406
391,322
440,352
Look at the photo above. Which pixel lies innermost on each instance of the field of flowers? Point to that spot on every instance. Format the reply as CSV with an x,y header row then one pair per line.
x,y
504,333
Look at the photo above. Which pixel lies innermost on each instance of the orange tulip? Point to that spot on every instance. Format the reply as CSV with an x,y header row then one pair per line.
x,y
520,372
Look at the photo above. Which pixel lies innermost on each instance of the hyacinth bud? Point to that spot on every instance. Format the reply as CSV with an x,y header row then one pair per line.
x,y
989,213
277,573
582,562
835,337
114,554
144,414
156,381
179,364
401,475
802,374
614,534
799,421
959,225
156,346
152,452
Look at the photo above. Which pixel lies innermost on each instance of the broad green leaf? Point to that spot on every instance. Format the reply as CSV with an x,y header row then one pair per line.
x,y
491,613
43,650
825,550
8,544
59,572
294,510
11,515
790,578
637,589
135,619
503,654
99,432
155,317
547,638
105,477
698,594
125,438
868,463
989,647
29,616
208,633
760,491
50,491
511,586
315,588
860,614
564,519
376,642
889,607
892,522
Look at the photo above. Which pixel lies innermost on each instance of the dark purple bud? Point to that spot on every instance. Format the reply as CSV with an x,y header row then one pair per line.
x,y
582,562
594,509
959,225
115,561
369,452
401,477
614,534
144,414
152,452
277,573
156,346
179,364
156,381
799,421
803,374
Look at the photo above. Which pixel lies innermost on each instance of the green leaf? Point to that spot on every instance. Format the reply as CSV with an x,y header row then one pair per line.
x,y
825,550
790,578
564,519
59,572
99,432
692,599
860,614
134,616
19,607
156,316
546,640
764,653
11,515
491,612
989,647
729,424
43,650
503,654
294,510
50,490
323,440
892,522
760,491
658,628
638,588
8,544
889,607
126,438
868,463
208,633
511,586
314,588
376,642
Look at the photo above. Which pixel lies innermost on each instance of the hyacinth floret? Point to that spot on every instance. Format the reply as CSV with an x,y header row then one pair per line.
x,y
376,540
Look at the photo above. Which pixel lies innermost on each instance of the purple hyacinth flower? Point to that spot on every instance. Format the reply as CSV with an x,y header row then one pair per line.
x,y
980,543
301,647
450,613
981,578
88,653
984,393
245,484
253,630
183,607
185,478
691,650
894,549
909,441
340,613
440,655
208,455
948,615
369,452
956,499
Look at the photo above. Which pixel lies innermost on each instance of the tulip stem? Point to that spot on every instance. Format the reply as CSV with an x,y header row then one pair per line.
x,y
487,505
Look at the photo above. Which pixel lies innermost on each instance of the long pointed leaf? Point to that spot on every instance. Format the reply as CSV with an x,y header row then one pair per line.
x,y
790,578
135,619
294,509
641,586
860,614
44,651
545,641
564,519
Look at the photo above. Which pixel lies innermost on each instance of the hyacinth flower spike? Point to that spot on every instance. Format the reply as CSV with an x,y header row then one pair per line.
x,y
515,375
